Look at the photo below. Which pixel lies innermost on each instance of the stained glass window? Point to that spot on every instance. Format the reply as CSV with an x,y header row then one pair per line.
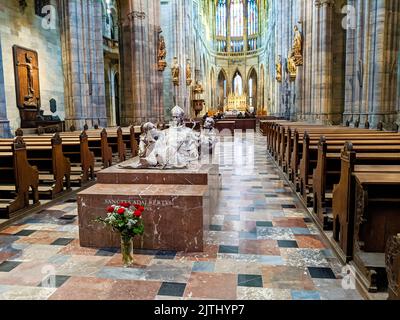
x,y
252,17
237,18
221,18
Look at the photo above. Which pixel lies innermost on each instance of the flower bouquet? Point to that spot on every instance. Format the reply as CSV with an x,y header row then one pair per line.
x,y
126,219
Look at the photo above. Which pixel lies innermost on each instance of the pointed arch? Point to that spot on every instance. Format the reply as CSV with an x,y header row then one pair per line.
x,y
222,89
237,83
252,89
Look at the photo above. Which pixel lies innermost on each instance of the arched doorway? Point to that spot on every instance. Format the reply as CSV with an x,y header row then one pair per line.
x,y
117,100
252,90
222,90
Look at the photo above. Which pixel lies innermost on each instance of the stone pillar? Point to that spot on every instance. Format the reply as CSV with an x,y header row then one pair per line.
x,y
82,50
351,83
384,73
315,65
4,123
141,81
326,60
308,56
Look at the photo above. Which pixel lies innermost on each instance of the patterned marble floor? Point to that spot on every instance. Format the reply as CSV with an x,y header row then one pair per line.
x,y
261,245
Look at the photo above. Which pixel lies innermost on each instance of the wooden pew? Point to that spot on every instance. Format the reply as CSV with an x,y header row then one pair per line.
x,y
344,199
328,169
16,179
116,142
46,154
98,144
131,136
393,267
376,221
81,158
309,155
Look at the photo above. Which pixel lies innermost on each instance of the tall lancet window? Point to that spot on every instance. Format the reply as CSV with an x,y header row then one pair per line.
x,y
252,17
237,18
221,18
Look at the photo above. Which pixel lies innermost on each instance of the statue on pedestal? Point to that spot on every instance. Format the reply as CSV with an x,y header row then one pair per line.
x,y
297,48
188,73
279,69
162,53
175,72
291,68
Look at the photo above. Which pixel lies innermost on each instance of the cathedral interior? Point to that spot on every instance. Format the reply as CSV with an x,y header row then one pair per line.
x,y
302,87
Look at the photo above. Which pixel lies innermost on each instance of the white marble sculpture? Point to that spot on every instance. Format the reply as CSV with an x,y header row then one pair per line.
x,y
176,147
209,136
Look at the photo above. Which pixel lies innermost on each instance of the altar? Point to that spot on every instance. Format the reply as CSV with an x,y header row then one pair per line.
x,y
236,103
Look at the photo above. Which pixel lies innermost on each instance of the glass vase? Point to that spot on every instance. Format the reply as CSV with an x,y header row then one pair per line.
x,y
126,251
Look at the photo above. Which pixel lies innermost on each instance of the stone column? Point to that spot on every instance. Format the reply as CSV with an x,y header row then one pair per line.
x,y
315,64
4,123
82,47
384,73
351,83
326,62
141,81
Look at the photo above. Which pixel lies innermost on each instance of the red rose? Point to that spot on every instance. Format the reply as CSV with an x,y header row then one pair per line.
x,y
121,211
138,213
110,209
125,204
141,208
136,205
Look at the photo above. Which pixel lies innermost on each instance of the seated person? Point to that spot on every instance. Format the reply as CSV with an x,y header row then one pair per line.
x,y
240,116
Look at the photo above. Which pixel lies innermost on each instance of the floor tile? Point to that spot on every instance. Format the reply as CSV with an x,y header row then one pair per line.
x,y
7,266
305,295
228,249
212,286
172,289
246,280
25,233
168,255
215,228
203,266
287,244
62,242
321,273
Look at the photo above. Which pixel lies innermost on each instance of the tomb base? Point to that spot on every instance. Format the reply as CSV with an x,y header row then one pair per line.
x,y
175,216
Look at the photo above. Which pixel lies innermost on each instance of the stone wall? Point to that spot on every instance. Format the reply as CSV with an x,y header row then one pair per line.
x,y
24,28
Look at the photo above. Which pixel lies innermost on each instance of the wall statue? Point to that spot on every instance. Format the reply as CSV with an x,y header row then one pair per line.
x,y
297,47
162,54
279,69
291,68
188,73
175,72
